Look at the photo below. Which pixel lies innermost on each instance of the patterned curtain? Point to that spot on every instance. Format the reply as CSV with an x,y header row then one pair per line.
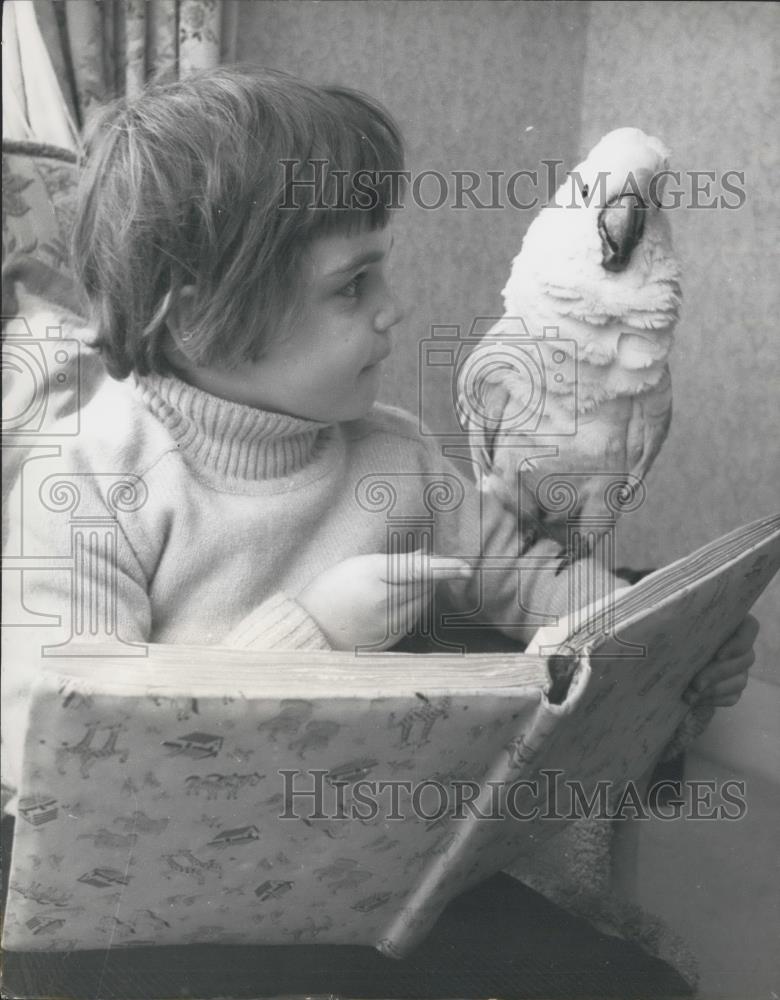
x,y
102,49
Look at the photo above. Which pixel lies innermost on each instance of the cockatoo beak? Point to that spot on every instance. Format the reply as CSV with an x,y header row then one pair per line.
x,y
621,224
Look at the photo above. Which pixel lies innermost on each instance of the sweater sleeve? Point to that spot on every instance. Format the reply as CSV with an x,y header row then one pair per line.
x,y
70,580
278,623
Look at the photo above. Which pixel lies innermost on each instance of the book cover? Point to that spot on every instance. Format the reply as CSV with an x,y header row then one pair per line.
x,y
229,797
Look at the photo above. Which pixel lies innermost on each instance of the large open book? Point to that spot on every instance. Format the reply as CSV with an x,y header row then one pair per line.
x,y
207,795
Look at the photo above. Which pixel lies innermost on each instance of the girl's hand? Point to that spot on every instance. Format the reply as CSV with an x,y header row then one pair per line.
x,y
371,600
722,681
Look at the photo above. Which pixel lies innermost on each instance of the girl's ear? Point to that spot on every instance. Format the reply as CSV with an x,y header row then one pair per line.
x,y
178,348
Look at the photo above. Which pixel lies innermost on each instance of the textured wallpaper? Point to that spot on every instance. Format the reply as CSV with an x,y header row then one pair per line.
x,y
493,86
703,77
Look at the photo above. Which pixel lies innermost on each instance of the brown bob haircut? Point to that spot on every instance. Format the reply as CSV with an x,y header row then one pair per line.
x,y
221,181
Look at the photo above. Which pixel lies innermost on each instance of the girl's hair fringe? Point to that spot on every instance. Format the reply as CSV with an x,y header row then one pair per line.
x,y
221,181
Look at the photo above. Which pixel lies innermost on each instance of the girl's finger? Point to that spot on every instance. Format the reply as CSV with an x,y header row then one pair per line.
x,y
722,701
450,568
720,670
741,641
417,567
721,692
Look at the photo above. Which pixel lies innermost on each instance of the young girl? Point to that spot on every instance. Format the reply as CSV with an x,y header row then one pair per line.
x,y
244,317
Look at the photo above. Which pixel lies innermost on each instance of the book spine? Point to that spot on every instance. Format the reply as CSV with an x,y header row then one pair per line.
x,y
485,838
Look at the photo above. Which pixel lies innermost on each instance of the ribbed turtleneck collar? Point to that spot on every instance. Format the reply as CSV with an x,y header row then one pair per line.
x,y
230,439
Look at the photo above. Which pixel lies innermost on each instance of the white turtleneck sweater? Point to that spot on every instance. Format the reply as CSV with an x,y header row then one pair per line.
x,y
236,510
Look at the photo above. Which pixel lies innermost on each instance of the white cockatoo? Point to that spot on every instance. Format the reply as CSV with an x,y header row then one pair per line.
x,y
572,387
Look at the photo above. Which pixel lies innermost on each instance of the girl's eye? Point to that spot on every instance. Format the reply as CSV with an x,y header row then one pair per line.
x,y
352,289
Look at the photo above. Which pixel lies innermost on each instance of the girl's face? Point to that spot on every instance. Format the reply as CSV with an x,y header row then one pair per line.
x,y
326,364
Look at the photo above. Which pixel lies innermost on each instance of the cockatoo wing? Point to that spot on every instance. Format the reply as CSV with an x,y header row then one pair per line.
x,y
649,425
501,396
486,384
496,394
482,419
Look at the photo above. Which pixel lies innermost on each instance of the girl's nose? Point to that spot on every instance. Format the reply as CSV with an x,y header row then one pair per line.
x,y
391,312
